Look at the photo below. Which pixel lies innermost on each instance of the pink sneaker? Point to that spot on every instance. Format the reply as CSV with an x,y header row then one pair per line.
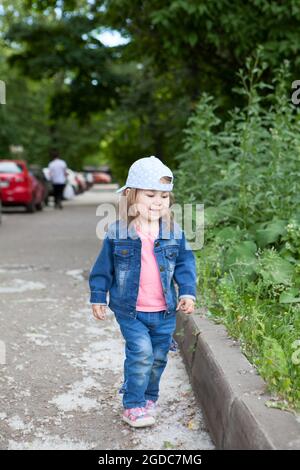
x,y
151,407
138,417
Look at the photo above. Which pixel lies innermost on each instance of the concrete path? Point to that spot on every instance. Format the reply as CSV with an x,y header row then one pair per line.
x,y
60,369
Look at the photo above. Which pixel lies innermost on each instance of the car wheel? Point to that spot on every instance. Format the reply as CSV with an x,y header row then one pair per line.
x,y
31,207
39,206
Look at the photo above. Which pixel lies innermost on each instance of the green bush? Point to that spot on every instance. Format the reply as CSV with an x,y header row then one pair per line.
x,y
246,173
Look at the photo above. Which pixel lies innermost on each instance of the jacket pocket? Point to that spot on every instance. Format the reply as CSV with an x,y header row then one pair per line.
x,y
123,257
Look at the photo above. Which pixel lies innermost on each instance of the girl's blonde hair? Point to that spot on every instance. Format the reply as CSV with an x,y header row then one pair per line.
x,y
128,200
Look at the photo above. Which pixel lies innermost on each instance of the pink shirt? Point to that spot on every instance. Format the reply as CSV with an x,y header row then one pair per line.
x,y
150,295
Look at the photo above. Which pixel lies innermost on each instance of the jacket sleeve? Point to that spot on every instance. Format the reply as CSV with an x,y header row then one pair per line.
x,y
185,270
101,275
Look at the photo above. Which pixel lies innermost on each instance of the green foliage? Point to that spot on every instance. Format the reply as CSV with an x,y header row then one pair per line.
x,y
273,269
246,173
270,232
290,296
240,258
274,366
176,51
23,119
291,239
207,41
245,169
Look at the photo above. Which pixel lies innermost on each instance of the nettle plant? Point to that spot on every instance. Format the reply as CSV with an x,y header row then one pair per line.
x,y
245,172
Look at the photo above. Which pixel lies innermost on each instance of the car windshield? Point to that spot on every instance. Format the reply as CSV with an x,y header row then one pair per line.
x,y
10,167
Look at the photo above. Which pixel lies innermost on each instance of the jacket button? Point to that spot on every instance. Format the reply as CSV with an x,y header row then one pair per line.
x,y
161,268
156,244
124,252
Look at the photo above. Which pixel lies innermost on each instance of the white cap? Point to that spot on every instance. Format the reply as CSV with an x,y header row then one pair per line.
x,y
145,173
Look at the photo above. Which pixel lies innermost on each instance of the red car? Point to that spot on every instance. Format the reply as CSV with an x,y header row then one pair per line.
x,y
0,207
101,177
19,187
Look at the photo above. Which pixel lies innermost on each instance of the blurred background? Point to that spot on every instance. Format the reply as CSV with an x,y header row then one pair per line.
x,y
107,82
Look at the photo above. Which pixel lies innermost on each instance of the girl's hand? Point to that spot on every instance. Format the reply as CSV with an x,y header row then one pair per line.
x,y
186,304
99,311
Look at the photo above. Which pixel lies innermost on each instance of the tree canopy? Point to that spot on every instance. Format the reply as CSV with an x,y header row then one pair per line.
x,y
139,95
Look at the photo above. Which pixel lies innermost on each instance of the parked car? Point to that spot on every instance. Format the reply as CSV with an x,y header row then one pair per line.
x,y
101,174
81,182
39,174
0,208
71,178
19,187
101,177
88,176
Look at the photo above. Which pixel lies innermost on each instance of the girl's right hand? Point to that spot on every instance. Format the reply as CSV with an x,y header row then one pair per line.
x,y
99,311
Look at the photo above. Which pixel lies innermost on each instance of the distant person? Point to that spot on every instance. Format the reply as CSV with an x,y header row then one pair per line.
x,y
58,176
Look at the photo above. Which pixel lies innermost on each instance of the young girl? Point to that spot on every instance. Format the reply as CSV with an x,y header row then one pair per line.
x,y
142,254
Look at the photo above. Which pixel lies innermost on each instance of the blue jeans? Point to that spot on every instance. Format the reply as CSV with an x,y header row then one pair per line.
x,y
148,336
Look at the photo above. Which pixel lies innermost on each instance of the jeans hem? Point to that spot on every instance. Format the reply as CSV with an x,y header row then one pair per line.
x,y
134,405
151,398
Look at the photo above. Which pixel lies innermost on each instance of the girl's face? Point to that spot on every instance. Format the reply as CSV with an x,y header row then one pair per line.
x,y
152,204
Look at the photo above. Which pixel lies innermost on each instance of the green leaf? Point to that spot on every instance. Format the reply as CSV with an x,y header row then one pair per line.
x,y
168,445
215,215
275,270
280,405
241,259
275,361
271,232
289,296
227,234
192,39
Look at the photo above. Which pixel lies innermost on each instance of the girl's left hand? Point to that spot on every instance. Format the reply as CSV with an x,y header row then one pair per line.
x,y
187,305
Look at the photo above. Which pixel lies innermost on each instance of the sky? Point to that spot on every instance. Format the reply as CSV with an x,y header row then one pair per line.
x,y
111,38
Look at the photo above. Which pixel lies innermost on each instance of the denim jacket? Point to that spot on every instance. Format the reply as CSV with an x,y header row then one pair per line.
x,y
117,267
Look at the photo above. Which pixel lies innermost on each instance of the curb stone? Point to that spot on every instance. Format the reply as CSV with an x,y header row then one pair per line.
x,y
229,390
